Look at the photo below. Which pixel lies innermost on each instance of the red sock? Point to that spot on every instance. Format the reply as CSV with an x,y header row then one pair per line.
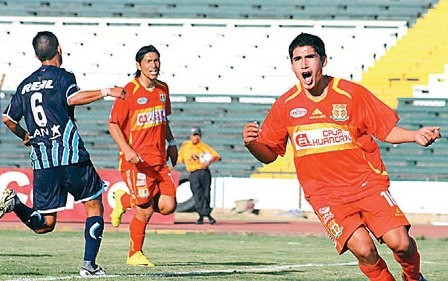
x,y
126,201
137,230
377,271
410,265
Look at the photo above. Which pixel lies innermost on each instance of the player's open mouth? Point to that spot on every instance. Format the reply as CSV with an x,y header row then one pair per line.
x,y
307,77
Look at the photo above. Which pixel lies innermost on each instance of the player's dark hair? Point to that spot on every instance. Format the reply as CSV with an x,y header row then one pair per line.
x,y
141,53
45,45
305,39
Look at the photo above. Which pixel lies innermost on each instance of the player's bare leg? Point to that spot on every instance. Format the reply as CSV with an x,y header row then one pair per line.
x,y
370,263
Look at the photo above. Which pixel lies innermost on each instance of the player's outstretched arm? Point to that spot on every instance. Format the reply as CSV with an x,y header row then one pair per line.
x,y
85,97
424,136
259,150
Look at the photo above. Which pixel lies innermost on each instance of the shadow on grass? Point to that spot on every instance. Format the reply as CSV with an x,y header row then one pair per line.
x,y
218,263
26,255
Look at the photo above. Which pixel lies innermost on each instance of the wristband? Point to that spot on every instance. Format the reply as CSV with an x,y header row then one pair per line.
x,y
105,92
172,142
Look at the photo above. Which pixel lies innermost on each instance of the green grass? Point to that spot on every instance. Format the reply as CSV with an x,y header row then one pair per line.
x,y
57,256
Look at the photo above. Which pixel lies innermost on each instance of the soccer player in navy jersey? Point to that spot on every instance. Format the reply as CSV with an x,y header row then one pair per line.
x,y
46,100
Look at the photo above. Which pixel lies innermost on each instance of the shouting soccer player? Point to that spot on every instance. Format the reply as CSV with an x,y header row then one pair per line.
x,y
330,123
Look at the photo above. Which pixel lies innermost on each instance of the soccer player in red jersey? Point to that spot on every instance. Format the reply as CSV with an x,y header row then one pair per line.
x,y
330,123
140,127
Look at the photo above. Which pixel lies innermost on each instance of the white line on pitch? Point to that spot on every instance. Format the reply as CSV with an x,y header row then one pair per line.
x,y
195,273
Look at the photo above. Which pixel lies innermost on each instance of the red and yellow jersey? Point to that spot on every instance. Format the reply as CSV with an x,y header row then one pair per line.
x,y
193,155
142,118
335,156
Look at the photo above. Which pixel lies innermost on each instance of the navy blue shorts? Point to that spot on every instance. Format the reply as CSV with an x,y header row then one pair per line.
x,y
52,186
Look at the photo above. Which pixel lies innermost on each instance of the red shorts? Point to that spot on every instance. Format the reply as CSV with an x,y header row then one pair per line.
x,y
145,183
377,212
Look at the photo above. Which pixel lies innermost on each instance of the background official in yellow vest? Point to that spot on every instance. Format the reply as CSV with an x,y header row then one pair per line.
x,y
197,157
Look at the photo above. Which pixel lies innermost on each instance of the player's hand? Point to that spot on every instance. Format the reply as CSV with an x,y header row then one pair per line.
x,y
250,132
171,153
26,140
117,92
132,157
427,135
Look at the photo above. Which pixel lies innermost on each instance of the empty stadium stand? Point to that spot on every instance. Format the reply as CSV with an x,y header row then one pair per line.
x,y
407,10
416,55
436,88
198,56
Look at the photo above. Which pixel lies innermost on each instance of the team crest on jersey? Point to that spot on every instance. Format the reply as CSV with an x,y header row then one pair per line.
x,y
335,229
163,97
339,112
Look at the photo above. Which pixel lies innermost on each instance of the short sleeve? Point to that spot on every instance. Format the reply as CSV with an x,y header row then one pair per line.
x,y
14,110
69,85
213,152
120,108
372,115
168,102
181,156
274,131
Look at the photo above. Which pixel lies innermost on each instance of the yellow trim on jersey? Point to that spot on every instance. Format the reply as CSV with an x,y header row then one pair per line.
x,y
338,90
136,84
378,172
299,90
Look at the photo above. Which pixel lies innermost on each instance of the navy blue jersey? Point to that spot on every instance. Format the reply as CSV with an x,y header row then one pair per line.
x,y
41,99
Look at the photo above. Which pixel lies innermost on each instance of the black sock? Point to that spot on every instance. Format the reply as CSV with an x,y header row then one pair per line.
x,y
28,216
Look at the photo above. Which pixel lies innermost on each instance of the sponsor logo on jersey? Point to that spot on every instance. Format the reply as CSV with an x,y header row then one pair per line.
x,y
339,112
328,219
142,100
151,117
141,179
45,132
321,137
163,97
317,114
37,86
326,214
55,132
298,112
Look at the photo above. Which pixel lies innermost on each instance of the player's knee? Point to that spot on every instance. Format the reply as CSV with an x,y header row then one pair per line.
x,y
401,247
41,224
366,253
167,208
